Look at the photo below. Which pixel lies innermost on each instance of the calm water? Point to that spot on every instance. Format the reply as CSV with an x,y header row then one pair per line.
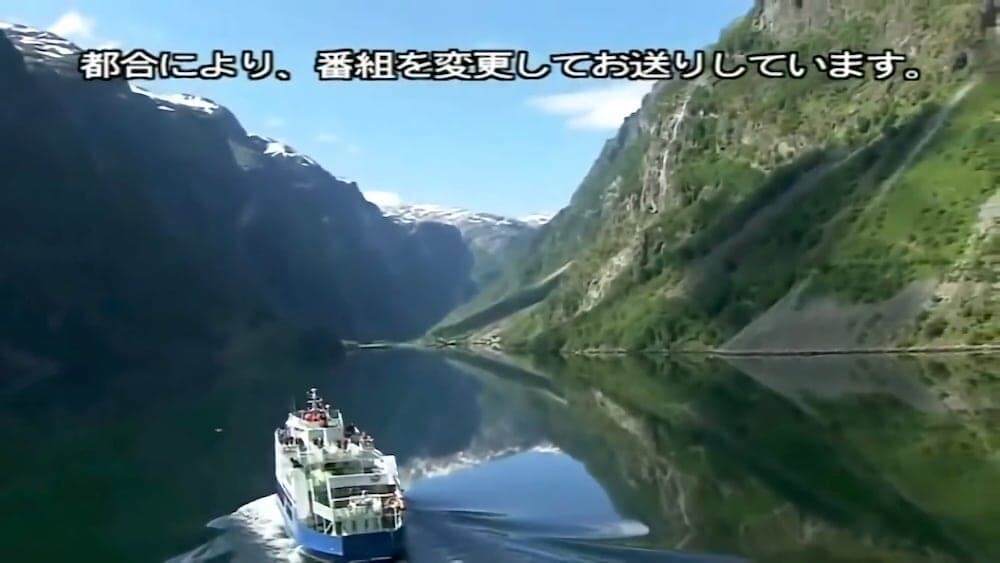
x,y
631,459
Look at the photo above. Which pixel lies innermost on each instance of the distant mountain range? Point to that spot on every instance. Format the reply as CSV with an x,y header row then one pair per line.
x,y
485,232
488,236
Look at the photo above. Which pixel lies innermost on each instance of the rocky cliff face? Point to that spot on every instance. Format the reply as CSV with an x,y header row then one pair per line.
x,y
737,211
130,217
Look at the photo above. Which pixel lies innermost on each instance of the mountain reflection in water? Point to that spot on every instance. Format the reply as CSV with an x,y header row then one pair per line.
x,y
541,459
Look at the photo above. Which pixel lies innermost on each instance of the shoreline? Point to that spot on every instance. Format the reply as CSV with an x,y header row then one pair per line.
x,y
721,352
913,350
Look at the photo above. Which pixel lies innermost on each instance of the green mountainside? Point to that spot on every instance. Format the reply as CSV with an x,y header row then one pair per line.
x,y
780,213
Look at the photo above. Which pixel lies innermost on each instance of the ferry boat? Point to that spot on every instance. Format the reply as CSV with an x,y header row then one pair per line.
x,y
340,497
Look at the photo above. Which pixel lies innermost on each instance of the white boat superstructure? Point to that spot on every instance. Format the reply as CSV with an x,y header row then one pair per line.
x,y
333,481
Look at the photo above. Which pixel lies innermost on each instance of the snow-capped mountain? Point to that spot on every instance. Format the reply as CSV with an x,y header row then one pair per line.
x,y
276,149
483,232
39,47
170,102
47,52
126,173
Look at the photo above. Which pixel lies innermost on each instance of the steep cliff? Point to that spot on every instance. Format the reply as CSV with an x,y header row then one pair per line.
x,y
786,213
134,221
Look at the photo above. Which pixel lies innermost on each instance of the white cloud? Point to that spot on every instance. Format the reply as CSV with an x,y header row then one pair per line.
x,y
74,25
383,199
596,108
327,138
81,29
275,122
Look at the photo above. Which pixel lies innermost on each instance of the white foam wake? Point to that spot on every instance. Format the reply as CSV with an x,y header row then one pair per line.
x,y
619,530
429,467
253,532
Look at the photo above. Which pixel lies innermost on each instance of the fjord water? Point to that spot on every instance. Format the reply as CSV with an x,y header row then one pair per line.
x,y
547,459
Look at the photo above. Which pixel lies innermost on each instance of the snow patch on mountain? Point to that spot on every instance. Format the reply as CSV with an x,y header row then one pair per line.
x,y
40,47
412,213
536,219
38,41
277,149
169,102
486,232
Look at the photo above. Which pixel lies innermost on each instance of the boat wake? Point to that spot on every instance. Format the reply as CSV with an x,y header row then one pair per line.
x,y
490,513
252,533
419,469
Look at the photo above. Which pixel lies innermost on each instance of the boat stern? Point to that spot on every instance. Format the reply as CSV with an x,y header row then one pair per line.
x,y
375,546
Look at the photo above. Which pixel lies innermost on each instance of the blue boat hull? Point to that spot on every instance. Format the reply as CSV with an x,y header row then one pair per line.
x,y
354,547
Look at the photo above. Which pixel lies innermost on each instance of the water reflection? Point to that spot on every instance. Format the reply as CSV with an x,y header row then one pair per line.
x,y
140,461
795,460
532,459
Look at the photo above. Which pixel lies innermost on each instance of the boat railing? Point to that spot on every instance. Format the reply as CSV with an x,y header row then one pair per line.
x,y
327,460
363,499
291,444
367,471
388,504
332,413
359,519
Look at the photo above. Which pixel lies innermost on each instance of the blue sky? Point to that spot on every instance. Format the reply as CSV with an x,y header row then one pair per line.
x,y
506,147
